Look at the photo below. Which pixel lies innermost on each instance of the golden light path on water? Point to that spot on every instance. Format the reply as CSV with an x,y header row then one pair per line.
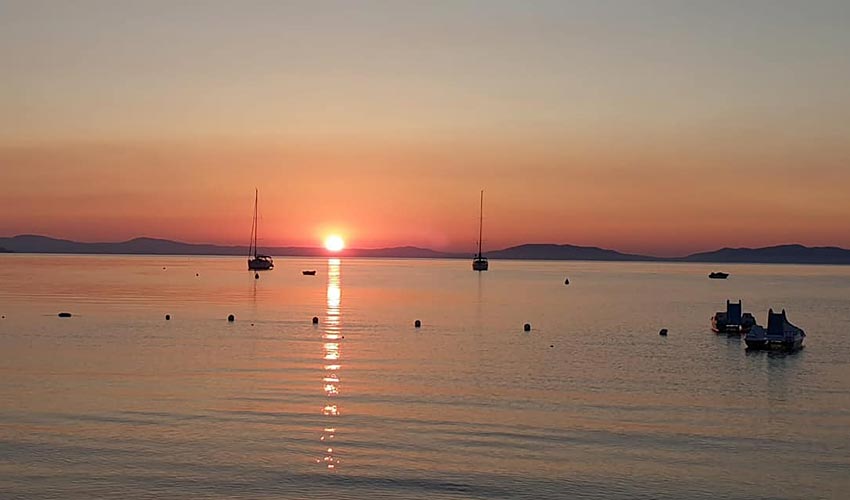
x,y
331,336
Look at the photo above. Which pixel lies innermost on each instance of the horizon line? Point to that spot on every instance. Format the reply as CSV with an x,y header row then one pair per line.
x,y
447,253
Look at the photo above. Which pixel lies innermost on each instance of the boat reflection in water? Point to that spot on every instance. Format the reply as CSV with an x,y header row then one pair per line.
x,y
331,338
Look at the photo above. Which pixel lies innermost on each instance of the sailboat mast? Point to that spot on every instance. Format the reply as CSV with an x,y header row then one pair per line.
x,y
256,221
480,223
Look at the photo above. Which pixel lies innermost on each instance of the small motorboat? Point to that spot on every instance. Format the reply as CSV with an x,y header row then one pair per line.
x,y
717,275
780,334
309,273
733,320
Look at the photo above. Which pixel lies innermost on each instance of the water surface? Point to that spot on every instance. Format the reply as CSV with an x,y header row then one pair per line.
x,y
117,402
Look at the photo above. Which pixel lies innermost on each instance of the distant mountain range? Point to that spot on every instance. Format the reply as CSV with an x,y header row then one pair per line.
x,y
28,243
783,254
546,251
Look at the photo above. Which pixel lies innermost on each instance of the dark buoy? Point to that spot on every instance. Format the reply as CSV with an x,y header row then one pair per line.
x,y
417,324
64,315
663,332
256,276
315,320
197,274
527,327
567,281
163,268
231,318
167,317
551,345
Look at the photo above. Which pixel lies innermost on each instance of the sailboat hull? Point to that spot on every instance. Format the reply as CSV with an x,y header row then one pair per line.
x,y
480,265
260,264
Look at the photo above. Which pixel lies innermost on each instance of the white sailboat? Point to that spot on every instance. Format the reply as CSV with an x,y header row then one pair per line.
x,y
257,262
479,263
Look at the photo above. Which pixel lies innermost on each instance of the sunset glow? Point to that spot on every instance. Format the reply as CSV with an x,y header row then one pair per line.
x,y
334,243
600,125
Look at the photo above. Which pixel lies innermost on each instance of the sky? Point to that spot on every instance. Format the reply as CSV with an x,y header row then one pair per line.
x,y
662,127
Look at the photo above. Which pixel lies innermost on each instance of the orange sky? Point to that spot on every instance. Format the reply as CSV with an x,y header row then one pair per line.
x,y
418,195
653,128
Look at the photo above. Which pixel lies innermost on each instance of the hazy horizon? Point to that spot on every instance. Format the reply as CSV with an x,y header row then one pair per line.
x,y
655,127
457,252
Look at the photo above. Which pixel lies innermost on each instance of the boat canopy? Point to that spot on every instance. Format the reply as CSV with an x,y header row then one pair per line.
x,y
733,312
776,322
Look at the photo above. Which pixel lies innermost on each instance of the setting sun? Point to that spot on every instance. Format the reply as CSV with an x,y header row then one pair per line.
x,y
334,243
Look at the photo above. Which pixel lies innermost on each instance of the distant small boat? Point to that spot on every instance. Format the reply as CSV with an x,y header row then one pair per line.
x,y
479,263
717,275
309,273
780,334
257,262
733,320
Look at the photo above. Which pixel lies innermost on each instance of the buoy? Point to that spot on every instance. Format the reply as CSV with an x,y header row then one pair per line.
x,y
167,317
163,267
417,324
3,317
315,320
231,318
256,276
551,345
64,315
567,281
663,332
527,327
197,274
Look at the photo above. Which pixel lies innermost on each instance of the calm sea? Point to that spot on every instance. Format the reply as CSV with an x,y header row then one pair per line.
x,y
117,402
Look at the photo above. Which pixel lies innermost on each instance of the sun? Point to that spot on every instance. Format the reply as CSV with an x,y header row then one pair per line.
x,y
334,243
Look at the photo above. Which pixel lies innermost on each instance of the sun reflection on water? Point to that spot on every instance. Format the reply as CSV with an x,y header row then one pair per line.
x,y
331,346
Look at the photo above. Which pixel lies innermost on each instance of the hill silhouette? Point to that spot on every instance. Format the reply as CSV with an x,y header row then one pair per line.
x,y
781,254
29,243
548,251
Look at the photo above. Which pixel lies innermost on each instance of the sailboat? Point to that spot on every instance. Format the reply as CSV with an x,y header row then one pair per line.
x,y
479,263
257,262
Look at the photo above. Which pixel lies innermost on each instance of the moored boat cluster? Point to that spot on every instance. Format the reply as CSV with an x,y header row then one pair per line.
x,y
780,333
